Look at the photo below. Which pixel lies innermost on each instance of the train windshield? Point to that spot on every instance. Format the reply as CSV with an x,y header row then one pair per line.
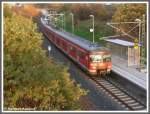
x,y
100,58
96,58
106,58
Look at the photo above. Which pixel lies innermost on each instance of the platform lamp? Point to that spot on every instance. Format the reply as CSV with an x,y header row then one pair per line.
x,y
49,49
92,29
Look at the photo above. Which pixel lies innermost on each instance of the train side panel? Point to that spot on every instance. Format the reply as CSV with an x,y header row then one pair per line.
x,y
73,51
78,54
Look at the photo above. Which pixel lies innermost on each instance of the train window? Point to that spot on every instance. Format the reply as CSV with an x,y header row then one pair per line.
x,y
63,44
96,58
107,58
58,41
80,54
72,49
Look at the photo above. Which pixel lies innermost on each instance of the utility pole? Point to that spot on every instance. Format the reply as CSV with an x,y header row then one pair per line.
x,y
139,43
143,45
64,22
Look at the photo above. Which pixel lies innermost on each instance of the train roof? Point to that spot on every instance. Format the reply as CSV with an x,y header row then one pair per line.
x,y
87,45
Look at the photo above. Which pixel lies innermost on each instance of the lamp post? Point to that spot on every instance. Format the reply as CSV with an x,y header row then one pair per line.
x,y
92,30
72,16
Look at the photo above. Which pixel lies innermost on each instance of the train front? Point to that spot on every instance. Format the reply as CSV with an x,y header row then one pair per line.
x,y
100,63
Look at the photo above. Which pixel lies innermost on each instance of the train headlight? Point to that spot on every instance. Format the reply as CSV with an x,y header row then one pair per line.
x,y
108,70
93,67
109,66
93,64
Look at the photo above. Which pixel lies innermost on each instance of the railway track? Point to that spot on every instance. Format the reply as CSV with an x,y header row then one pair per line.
x,y
118,94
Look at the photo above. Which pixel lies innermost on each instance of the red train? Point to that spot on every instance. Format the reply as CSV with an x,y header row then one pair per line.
x,y
91,57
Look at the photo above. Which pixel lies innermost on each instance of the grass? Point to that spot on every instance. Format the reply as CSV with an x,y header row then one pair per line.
x,y
83,29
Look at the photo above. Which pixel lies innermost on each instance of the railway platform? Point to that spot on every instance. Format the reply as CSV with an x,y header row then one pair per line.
x,y
132,74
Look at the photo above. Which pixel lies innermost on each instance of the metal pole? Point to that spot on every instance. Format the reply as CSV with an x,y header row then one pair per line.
x,y
72,24
139,32
139,43
122,23
93,26
72,19
143,36
93,29
120,30
64,22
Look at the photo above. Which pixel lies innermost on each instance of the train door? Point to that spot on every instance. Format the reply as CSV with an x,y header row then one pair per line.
x,y
86,60
82,58
77,53
64,46
72,51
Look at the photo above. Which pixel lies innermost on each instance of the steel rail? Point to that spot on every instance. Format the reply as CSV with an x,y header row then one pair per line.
x,y
99,83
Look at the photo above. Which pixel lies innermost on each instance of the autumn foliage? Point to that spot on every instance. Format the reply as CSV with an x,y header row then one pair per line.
x,y
33,81
28,10
129,13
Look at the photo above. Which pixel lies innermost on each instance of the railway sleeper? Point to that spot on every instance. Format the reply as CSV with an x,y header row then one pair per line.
x,y
116,91
125,99
134,104
130,101
123,96
100,79
118,94
139,107
110,87
102,82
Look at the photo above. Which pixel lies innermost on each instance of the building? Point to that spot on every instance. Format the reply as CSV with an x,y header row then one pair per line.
x,y
123,48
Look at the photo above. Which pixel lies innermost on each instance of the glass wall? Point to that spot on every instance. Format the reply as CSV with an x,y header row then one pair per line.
x,y
118,50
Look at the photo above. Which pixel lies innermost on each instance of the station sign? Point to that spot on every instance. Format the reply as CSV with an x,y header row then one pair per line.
x,y
136,43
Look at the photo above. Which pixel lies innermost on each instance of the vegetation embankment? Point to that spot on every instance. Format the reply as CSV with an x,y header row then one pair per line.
x,y
32,81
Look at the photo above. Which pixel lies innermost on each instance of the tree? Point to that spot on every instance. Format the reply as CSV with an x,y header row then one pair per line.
x,y
26,10
31,80
128,13
30,10
7,10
